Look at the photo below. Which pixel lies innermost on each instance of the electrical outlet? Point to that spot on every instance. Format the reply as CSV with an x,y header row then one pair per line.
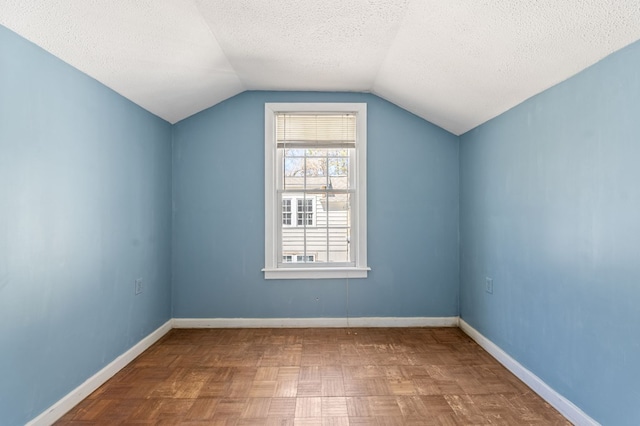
x,y
488,285
138,286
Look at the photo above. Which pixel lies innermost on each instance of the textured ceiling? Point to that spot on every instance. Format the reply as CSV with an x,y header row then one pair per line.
x,y
456,63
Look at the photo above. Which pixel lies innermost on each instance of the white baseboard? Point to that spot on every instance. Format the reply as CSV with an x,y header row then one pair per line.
x,y
574,414
315,322
60,408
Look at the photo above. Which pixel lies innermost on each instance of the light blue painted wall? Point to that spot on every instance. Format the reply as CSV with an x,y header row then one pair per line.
x,y
218,234
550,209
85,208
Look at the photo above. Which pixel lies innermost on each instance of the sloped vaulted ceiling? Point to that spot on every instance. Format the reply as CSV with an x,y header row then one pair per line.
x,y
456,63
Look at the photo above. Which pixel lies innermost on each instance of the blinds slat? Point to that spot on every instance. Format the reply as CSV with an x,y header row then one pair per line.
x,y
316,144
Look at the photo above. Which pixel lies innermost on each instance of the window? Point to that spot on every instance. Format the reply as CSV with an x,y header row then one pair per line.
x,y
305,210
315,191
288,258
286,211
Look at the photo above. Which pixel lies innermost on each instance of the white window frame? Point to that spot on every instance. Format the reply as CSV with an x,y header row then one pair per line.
x,y
273,216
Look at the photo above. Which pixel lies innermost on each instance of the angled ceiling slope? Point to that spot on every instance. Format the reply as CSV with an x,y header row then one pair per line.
x,y
456,63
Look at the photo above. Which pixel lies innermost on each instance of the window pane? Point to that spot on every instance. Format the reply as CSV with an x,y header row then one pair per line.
x,y
286,212
305,212
294,166
330,237
313,169
338,229
338,166
321,229
316,166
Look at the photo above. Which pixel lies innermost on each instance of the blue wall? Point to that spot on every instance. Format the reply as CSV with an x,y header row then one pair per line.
x,y
85,209
218,228
550,209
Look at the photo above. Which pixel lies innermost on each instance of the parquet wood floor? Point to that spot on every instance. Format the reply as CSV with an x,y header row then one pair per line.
x,y
332,377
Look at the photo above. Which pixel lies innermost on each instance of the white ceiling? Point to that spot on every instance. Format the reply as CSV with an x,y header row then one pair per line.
x,y
456,63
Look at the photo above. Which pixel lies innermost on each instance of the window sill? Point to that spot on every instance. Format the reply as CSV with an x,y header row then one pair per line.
x,y
314,273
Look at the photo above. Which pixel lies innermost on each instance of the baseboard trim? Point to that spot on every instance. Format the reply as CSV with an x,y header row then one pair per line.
x,y
569,410
315,322
60,408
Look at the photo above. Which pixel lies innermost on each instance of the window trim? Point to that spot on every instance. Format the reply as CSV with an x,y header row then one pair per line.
x,y
359,207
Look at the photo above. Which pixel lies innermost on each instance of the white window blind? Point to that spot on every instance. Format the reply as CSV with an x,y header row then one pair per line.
x,y
316,130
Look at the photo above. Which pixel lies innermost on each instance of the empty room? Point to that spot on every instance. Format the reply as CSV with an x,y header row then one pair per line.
x,y
368,212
